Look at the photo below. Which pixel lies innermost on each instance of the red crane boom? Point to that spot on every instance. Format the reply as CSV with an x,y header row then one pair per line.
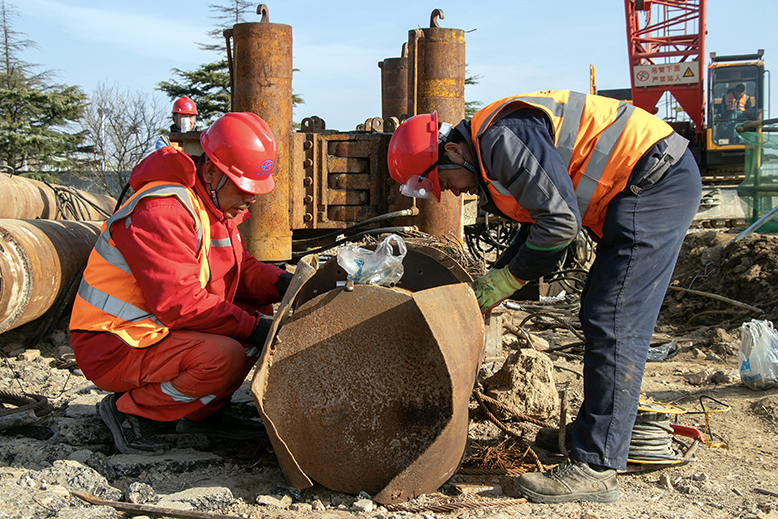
x,y
666,42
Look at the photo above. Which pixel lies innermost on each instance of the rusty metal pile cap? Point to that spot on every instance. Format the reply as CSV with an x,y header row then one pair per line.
x,y
367,389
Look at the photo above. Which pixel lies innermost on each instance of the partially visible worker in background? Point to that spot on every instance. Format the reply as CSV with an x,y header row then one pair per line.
x,y
736,102
184,118
556,161
172,311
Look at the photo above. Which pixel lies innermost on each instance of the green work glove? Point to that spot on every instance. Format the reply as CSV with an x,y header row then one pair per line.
x,y
494,287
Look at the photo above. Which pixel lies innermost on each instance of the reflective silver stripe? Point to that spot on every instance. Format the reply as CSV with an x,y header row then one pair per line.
x,y
499,188
221,242
113,306
556,108
172,189
600,156
571,113
110,253
571,122
252,352
178,396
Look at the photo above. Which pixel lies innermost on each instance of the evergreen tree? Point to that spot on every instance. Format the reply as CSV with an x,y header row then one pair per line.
x,y
471,107
209,85
34,113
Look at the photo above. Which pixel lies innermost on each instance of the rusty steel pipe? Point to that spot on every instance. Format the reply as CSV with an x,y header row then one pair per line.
x,y
37,260
436,82
367,387
261,79
394,86
27,199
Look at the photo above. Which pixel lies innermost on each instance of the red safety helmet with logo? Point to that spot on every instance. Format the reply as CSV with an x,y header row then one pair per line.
x,y
242,146
413,156
184,106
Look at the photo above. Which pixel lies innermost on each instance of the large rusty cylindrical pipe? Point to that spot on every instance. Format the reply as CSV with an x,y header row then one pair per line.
x,y
261,77
37,260
27,199
436,82
394,86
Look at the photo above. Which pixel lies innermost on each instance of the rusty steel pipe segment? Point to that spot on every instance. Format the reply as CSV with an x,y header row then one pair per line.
x,y
260,61
37,260
366,388
436,82
27,199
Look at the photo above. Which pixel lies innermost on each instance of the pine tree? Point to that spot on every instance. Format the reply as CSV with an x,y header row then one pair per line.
x,y
209,85
34,112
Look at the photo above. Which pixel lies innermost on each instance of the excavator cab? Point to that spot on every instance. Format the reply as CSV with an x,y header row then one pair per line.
x,y
735,96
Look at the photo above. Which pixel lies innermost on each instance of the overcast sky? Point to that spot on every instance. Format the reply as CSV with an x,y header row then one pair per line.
x,y
515,46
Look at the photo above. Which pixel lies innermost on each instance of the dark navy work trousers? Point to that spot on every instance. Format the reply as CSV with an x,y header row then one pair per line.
x,y
620,303
642,236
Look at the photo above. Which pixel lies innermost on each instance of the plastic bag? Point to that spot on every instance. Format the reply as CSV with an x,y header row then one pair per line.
x,y
378,267
758,355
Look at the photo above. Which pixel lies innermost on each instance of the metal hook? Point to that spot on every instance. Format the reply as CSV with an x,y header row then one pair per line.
x,y
436,13
262,10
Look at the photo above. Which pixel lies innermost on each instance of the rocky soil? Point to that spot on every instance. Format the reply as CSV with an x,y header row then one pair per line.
x,y
718,285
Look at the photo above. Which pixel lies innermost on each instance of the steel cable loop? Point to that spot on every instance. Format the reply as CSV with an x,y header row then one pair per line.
x,y
24,403
652,438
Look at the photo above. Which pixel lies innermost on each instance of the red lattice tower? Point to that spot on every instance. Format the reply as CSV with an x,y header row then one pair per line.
x,y
662,32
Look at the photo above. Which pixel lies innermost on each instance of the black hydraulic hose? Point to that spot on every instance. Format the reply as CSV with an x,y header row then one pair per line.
x,y
413,211
355,237
121,197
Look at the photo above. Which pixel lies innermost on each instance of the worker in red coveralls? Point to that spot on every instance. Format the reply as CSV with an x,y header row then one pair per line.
x,y
172,311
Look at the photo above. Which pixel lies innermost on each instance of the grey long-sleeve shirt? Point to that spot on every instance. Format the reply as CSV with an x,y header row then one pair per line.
x,y
518,152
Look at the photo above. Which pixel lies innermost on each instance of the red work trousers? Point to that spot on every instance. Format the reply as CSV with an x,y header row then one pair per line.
x,y
189,374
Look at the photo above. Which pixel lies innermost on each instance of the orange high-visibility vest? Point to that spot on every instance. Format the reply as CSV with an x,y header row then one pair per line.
x,y
734,103
599,139
108,298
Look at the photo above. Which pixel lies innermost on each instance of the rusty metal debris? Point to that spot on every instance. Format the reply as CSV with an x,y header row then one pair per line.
x,y
368,389
154,511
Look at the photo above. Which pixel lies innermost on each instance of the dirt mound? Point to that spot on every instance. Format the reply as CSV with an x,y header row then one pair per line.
x,y
743,271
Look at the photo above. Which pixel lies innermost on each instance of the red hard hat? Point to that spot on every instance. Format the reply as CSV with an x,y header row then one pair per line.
x,y
184,106
242,146
413,149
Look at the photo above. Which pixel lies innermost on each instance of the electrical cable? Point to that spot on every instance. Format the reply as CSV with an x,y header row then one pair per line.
x,y
71,202
121,197
355,237
404,212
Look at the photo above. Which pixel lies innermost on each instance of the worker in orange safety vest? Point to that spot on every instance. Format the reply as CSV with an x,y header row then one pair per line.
x,y
559,161
736,101
172,311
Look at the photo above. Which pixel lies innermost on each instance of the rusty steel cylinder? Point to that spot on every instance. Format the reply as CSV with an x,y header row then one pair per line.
x,y
262,83
394,86
27,199
37,260
436,82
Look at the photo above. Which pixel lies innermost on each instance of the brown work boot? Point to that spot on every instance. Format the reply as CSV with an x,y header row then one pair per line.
x,y
571,480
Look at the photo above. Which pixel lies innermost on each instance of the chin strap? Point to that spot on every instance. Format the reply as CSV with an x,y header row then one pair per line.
x,y
218,187
468,166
